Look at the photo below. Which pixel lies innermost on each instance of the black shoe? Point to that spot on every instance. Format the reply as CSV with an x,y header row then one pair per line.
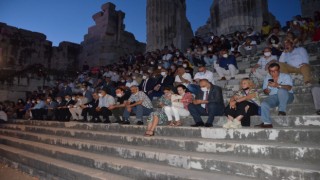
x,y
118,121
281,113
139,123
198,124
318,112
208,125
107,122
126,122
262,125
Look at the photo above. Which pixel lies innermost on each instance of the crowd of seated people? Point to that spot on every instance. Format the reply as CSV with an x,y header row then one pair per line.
x,y
129,86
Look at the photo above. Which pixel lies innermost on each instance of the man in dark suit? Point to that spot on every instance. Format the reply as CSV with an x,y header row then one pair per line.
x,y
164,81
147,84
63,112
60,103
90,107
208,102
65,90
86,93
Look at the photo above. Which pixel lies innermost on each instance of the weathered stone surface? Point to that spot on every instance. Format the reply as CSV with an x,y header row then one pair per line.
x,y
228,16
20,48
107,40
167,23
308,7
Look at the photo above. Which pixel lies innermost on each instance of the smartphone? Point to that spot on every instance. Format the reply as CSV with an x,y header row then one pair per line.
x,y
270,80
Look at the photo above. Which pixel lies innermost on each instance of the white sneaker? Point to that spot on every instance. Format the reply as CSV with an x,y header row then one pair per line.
x,y
236,124
228,124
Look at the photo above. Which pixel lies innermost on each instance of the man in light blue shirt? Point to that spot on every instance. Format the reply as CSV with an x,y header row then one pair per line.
x,y
295,60
279,88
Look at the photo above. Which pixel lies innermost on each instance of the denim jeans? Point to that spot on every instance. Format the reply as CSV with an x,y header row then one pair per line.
x,y
193,88
281,99
139,110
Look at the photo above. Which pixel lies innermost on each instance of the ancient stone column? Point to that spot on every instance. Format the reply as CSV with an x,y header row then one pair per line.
x,y
308,7
228,16
167,23
107,40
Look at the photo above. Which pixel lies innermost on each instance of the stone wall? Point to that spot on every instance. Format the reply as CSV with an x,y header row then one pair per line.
x,y
107,40
167,23
20,48
308,7
228,16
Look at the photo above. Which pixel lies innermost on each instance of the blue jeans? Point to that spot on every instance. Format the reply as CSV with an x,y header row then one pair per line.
x,y
281,99
139,110
197,111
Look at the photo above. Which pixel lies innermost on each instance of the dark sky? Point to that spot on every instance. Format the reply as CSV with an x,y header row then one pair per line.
x,y
68,20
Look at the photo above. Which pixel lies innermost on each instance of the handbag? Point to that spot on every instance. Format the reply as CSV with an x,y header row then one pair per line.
x,y
176,104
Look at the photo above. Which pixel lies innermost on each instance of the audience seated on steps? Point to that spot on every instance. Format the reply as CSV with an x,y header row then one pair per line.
x,y
38,110
158,116
178,65
260,70
121,100
275,40
90,107
63,113
147,84
51,104
138,103
296,60
105,101
165,80
278,87
179,106
242,105
208,102
227,65
76,110
248,48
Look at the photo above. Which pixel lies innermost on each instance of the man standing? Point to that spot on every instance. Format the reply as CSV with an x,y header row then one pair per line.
x,y
279,88
208,102
139,103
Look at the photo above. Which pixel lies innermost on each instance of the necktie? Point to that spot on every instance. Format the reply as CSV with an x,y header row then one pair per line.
x,y
144,85
206,98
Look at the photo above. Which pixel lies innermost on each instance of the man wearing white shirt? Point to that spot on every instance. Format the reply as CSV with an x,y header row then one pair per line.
x,y
105,101
203,73
295,60
166,59
260,70
185,78
131,82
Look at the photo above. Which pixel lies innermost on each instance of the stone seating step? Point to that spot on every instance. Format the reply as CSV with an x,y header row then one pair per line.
x,y
100,164
104,132
58,168
244,166
306,153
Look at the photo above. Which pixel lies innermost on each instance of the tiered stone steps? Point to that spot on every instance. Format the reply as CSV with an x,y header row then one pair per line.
x,y
289,151
72,150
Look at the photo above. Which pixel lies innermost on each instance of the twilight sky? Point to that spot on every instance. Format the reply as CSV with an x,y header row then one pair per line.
x,y
68,20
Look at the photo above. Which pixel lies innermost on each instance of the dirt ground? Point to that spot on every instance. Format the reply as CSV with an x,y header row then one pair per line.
x,y
8,173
